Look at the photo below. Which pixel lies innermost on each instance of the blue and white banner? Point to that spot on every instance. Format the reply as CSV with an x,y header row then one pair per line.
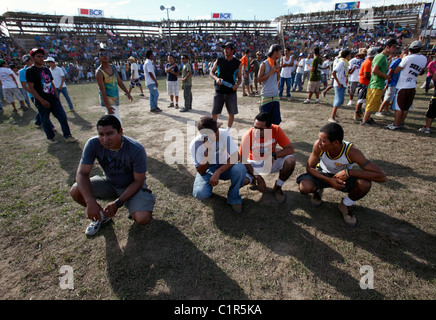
x,y
221,16
347,5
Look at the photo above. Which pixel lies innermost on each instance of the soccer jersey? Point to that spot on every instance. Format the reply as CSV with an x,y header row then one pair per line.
x,y
331,165
110,86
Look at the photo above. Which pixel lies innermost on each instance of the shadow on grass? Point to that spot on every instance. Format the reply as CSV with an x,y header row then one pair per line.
x,y
392,240
274,227
160,262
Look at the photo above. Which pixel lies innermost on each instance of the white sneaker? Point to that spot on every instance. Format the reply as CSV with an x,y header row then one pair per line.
x,y
379,114
317,101
95,226
306,101
332,120
350,103
425,130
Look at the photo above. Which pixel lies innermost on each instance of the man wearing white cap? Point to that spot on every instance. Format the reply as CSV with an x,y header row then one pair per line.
x,y
59,81
134,76
413,65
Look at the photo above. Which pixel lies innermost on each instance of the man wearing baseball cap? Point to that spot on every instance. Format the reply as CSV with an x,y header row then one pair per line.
x,y
59,81
134,76
40,85
226,72
269,76
411,66
379,74
364,77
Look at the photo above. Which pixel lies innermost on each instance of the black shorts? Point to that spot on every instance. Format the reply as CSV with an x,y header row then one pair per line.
x,y
361,91
319,184
431,111
135,82
230,99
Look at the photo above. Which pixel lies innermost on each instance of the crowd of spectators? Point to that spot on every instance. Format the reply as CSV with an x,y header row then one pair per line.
x,y
77,56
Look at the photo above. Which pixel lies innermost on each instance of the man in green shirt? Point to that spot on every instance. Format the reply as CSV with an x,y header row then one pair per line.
x,y
186,84
315,77
378,76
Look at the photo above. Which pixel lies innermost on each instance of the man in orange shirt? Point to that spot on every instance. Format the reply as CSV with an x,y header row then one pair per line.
x,y
259,155
245,64
364,77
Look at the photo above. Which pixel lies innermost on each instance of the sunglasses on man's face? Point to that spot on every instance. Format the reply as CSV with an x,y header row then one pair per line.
x,y
102,54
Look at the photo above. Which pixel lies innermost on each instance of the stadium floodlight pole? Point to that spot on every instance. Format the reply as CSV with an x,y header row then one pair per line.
x,y
169,29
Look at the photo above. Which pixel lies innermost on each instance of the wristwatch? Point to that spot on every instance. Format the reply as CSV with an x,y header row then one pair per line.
x,y
119,203
274,155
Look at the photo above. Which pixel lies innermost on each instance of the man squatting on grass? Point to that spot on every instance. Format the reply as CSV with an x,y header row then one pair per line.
x,y
331,165
124,162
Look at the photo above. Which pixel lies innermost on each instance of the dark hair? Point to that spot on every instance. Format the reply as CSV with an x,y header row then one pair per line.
x,y
345,53
185,57
334,132
415,50
316,51
148,54
288,48
247,51
264,117
109,120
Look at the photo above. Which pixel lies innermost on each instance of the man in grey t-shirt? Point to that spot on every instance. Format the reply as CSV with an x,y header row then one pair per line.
x,y
124,162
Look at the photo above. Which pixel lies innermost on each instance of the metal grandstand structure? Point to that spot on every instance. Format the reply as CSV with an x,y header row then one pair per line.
x,y
405,14
24,25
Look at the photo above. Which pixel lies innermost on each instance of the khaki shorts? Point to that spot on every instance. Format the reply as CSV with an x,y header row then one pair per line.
x,y
373,99
9,94
313,86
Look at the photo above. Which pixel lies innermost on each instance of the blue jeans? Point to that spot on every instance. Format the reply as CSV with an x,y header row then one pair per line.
x,y
154,95
64,91
298,82
26,96
58,111
288,87
236,174
427,83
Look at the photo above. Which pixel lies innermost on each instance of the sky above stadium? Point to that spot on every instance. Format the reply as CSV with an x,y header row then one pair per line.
x,y
149,10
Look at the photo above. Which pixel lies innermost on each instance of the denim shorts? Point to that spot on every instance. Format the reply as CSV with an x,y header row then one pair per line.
x,y
339,96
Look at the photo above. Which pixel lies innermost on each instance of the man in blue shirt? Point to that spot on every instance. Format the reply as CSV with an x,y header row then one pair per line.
x,y
124,163
391,84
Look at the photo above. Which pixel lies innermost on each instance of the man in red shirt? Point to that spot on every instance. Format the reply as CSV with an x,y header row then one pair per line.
x,y
259,154
364,77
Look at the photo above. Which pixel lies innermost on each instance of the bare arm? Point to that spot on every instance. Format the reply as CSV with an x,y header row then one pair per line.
x,y
84,185
138,181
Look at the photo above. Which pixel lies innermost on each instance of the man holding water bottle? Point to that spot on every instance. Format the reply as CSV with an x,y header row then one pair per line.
x,y
226,72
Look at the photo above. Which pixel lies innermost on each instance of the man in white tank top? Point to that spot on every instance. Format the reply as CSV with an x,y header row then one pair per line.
x,y
331,166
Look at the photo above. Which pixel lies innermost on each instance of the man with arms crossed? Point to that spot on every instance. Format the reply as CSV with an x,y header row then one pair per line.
x,y
124,163
331,165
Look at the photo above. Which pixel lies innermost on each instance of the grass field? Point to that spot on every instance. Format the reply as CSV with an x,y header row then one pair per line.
x,y
200,249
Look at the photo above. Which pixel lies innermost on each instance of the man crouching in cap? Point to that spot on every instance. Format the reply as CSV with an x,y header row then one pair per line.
x,y
215,157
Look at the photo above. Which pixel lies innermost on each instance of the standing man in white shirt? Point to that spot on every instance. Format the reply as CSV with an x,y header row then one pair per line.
x,y
340,74
10,85
286,65
134,76
59,81
151,81
411,66
353,80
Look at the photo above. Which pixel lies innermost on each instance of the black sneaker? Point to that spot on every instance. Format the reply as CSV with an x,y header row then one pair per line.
x,y
156,110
